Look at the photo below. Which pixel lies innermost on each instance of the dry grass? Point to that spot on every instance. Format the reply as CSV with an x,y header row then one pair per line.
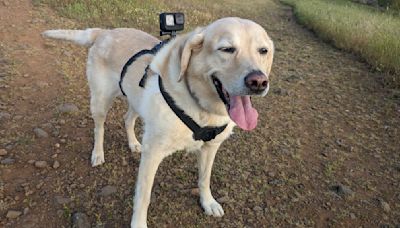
x,y
143,14
371,34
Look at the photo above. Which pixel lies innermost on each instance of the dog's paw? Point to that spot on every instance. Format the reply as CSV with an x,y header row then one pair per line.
x,y
97,159
138,225
135,147
213,208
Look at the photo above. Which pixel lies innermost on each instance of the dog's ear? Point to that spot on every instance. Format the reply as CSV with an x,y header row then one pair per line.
x,y
192,43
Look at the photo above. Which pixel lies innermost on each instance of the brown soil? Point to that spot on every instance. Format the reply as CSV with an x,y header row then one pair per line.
x,y
327,121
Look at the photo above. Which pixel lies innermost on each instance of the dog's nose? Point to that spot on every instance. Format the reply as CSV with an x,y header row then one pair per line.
x,y
256,81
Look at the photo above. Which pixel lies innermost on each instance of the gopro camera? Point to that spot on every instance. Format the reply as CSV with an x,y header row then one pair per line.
x,y
170,23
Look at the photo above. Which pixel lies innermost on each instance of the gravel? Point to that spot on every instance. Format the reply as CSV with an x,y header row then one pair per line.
x,y
68,108
342,191
7,161
80,220
40,133
56,164
3,152
13,214
108,190
40,164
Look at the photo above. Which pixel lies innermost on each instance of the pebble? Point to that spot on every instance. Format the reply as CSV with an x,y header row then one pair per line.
x,y
6,3
293,78
3,152
257,208
108,190
5,115
195,191
385,206
62,200
40,133
68,108
124,162
31,161
56,164
223,199
280,91
343,191
13,214
40,164
7,161
26,210
80,220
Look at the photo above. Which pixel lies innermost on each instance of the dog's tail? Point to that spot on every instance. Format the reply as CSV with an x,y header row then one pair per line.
x,y
81,37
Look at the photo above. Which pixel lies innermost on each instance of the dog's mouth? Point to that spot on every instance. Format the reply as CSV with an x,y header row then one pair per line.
x,y
239,107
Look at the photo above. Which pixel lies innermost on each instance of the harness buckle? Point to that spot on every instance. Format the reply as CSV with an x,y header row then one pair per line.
x,y
208,133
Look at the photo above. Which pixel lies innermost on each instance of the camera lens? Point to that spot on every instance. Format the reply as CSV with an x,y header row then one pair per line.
x,y
179,19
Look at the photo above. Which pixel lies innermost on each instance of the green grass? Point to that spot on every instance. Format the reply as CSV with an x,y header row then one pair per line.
x,y
372,34
143,14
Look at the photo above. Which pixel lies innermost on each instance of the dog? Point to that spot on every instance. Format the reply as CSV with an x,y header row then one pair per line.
x,y
205,77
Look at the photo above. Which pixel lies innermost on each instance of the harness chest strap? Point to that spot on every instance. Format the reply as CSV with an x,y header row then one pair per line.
x,y
205,134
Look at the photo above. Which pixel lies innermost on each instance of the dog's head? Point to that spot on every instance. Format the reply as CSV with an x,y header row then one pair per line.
x,y
229,61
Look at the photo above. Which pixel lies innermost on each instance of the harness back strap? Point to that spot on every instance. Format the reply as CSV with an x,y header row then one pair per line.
x,y
205,134
132,59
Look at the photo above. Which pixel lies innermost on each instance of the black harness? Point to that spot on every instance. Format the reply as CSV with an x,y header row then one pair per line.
x,y
206,133
132,59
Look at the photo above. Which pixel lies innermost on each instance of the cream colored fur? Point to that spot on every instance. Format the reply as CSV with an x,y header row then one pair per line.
x,y
184,63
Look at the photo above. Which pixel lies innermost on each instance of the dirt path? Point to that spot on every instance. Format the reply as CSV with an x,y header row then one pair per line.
x,y
326,152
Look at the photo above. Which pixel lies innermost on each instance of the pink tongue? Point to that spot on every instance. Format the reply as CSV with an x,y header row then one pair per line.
x,y
242,113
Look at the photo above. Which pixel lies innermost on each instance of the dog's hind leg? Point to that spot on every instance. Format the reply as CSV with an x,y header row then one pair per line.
x,y
205,162
100,103
130,118
149,162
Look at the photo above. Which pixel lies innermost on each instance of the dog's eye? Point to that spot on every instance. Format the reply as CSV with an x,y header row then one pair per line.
x,y
227,49
263,51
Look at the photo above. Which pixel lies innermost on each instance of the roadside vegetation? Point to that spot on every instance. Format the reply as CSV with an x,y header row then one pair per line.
x,y
364,30
143,14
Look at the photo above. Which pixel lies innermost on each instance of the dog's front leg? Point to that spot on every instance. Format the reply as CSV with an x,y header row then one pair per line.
x,y
149,162
205,162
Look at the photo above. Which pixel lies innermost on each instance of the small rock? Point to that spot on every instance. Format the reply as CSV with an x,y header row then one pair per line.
x,y
42,84
195,191
3,152
293,78
223,199
257,208
13,214
40,164
80,220
108,190
124,162
343,191
62,200
280,91
56,164
352,216
68,108
31,161
7,161
40,133
385,206
39,186
5,115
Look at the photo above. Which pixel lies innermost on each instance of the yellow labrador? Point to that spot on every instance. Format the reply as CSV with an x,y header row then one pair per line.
x,y
208,74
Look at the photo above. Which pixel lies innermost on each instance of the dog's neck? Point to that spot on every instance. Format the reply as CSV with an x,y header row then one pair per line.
x,y
193,91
